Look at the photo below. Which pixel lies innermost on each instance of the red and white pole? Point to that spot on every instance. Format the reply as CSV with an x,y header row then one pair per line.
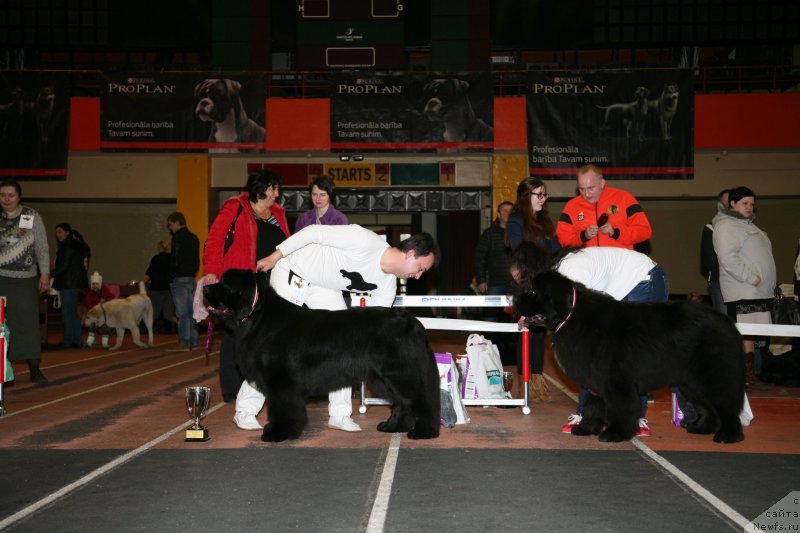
x,y
2,351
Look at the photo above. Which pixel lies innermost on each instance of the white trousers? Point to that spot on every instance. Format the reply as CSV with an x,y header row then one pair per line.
x,y
340,402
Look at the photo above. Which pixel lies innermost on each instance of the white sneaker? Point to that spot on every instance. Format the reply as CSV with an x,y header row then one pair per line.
x,y
246,421
345,423
572,421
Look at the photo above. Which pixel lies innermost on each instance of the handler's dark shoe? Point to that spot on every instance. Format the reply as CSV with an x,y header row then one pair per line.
x,y
38,377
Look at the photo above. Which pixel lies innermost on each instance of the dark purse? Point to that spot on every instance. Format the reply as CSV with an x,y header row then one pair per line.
x,y
231,231
784,310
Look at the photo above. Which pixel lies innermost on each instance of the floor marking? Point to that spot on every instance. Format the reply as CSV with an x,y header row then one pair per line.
x,y
101,387
721,507
377,518
94,474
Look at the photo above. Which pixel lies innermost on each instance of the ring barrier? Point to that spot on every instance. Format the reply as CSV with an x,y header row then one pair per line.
x,y
450,324
465,325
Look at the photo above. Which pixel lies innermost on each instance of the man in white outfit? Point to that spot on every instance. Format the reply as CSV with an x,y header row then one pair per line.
x,y
314,266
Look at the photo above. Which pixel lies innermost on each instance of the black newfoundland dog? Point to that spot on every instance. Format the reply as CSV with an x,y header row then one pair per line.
x,y
293,352
621,350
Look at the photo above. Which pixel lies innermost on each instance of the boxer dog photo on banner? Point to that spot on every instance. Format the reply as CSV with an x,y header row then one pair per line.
x,y
635,125
184,111
412,111
34,125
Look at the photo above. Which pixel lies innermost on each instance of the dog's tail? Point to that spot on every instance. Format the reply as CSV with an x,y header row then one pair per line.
x,y
142,288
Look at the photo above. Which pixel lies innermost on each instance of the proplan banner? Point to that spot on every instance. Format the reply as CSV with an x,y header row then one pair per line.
x,y
634,125
34,125
183,111
377,111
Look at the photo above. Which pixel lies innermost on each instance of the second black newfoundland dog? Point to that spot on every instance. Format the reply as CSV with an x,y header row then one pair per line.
x,y
621,350
293,352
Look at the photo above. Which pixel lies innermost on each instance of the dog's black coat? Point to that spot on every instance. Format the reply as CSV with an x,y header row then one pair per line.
x,y
292,352
621,350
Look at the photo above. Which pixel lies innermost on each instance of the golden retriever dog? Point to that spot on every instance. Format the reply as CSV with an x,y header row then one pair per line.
x,y
122,314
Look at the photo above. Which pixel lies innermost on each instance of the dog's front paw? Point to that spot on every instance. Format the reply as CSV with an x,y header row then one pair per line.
x,y
276,434
613,435
424,432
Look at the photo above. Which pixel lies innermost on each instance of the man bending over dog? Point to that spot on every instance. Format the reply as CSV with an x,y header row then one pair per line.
x,y
314,266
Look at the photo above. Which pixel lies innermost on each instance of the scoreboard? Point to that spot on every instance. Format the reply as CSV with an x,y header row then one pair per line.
x,y
350,34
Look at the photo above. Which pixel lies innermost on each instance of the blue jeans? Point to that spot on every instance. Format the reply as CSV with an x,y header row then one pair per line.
x,y
69,315
183,296
715,293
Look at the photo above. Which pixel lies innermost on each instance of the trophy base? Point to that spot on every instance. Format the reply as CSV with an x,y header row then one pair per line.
x,y
196,435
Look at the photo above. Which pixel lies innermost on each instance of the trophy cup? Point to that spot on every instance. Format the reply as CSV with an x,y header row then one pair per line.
x,y
197,399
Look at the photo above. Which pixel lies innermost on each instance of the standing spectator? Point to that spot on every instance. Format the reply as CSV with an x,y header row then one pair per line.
x,y
157,276
248,227
601,216
323,212
579,225
184,264
98,293
746,270
24,275
70,279
491,259
323,261
708,258
530,222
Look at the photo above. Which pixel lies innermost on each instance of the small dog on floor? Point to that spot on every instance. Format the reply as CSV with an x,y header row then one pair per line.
x,y
219,102
122,314
632,115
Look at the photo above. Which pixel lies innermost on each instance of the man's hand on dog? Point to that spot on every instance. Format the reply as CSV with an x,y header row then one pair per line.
x,y
269,262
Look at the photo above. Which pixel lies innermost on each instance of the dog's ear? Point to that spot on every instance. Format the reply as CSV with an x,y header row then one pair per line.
x,y
232,86
461,86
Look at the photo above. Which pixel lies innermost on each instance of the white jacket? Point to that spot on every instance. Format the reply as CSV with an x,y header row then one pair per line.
x,y
745,253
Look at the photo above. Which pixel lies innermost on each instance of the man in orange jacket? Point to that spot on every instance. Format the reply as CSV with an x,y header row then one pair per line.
x,y
601,215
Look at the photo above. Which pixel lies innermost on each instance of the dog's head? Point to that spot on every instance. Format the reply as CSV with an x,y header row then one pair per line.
x,y
45,98
642,92
234,298
670,92
442,94
549,300
217,99
95,317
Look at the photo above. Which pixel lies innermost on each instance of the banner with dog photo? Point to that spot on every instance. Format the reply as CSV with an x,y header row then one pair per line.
x,y
34,125
634,125
412,111
183,111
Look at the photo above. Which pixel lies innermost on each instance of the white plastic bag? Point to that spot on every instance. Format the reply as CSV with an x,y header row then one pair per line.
x,y
448,376
484,357
746,416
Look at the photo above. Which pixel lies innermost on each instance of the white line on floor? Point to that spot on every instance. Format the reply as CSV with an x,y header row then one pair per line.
x,y
377,517
94,474
723,508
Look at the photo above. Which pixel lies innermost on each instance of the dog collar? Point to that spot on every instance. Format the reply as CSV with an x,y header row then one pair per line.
x,y
569,315
252,306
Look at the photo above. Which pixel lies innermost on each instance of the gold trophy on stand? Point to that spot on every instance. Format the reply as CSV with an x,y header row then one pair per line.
x,y
197,399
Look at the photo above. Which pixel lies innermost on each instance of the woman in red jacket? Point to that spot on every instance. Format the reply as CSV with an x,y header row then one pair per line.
x,y
248,227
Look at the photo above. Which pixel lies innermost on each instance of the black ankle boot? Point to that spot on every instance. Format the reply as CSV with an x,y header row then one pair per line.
x,y
36,373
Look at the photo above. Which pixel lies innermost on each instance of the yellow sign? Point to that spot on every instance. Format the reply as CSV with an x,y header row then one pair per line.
x,y
351,174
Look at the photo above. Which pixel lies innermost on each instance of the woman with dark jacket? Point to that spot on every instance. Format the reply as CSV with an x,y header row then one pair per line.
x,y
530,222
248,227
71,278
